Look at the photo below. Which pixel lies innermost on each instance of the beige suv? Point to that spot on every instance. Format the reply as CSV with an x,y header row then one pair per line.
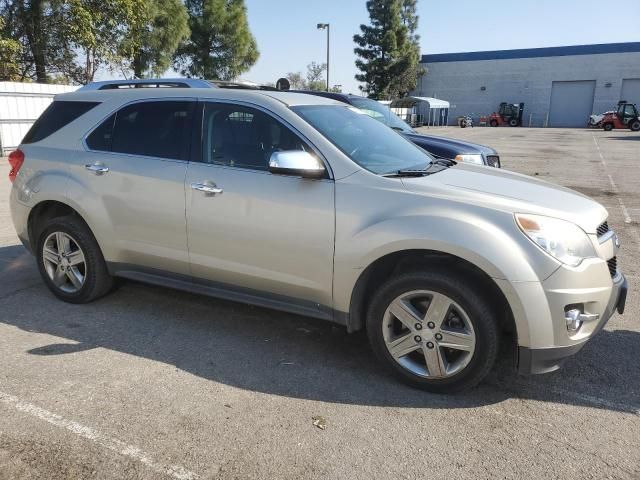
x,y
300,203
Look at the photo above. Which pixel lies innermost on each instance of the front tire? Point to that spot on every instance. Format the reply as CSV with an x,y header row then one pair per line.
x,y
608,127
513,122
493,123
433,331
70,261
635,126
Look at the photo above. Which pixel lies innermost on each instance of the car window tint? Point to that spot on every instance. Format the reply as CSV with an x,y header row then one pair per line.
x,y
242,137
155,129
100,139
57,115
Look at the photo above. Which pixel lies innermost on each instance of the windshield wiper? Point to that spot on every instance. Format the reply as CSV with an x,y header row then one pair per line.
x,y
408,173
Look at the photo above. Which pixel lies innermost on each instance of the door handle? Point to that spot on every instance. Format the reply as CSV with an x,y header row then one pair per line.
x,y
97,168
208,189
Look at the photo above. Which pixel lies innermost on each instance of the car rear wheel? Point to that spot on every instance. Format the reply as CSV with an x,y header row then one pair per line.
x,y
433,331
70,261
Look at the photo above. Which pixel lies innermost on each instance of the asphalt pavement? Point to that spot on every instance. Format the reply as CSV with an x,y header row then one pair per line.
x,y
151,383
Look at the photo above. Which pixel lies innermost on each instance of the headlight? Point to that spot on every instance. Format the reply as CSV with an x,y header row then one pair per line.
x,y
563,240
470,158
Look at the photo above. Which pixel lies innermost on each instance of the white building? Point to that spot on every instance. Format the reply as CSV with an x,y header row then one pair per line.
x,y
560,86
20,105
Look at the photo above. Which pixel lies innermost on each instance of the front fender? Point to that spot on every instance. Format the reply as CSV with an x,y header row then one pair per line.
x,y
490,242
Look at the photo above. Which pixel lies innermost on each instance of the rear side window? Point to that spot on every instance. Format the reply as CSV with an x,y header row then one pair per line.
x,y
56,116
100,139
154,129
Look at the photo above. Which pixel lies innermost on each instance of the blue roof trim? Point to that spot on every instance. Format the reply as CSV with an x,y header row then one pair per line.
x,y
533,52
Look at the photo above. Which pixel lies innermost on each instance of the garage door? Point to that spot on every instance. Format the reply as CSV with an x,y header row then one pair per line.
x,y
571,103
631,90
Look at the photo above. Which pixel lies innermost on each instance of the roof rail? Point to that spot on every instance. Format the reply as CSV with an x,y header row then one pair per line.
x,y
241,85
148,83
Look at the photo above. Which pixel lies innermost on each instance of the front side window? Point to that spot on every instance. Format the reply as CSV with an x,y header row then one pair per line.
x,y
57,115
153,129
369,143
238,136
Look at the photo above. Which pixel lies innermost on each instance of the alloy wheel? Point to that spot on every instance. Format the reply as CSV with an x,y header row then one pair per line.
x,y
429,334
64,262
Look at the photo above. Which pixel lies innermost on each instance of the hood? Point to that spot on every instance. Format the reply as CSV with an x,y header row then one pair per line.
x,y
511,192
448,147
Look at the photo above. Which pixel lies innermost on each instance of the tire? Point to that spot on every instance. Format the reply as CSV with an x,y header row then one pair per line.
x,y
608,127
459,370
463,124
513,122
92,277
493,123
634,126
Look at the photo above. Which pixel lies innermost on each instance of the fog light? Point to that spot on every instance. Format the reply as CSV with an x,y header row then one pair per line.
x,y
574,322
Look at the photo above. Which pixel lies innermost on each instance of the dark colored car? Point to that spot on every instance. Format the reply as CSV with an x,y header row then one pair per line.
x,y
438,146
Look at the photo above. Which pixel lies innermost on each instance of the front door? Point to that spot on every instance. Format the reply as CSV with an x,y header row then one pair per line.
x,y
266,234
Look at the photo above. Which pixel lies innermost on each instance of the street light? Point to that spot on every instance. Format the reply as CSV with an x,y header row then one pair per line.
x,y
325,26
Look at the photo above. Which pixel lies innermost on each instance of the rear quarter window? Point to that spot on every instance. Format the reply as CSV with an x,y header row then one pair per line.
x,y
56,116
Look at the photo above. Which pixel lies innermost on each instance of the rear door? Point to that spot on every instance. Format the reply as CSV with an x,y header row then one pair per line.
x,y
264,234
133,171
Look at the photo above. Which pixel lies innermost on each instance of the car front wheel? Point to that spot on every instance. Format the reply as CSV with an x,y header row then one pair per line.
x,y
433,331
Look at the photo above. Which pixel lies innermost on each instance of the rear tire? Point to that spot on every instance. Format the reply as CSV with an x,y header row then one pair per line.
x,y
493,123
513,122
607,127
433,353
635,126
71,262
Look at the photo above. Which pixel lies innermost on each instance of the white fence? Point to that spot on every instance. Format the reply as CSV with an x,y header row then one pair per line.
x,y
20,105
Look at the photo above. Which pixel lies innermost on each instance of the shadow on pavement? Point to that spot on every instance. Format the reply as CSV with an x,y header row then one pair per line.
x,y
630,138
283,354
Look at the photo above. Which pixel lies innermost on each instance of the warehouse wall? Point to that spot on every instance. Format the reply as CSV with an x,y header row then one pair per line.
x,y
527,80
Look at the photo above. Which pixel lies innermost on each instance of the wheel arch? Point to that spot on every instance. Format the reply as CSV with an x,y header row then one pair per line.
x,y
46,210
404,261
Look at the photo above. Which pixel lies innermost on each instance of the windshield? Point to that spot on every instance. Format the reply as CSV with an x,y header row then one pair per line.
x,y
381,113
370,144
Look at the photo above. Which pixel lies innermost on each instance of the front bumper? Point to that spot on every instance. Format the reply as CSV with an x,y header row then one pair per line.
x,y
544,360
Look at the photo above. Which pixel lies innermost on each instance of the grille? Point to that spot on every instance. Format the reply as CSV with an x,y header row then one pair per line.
x,y
493,160
602,229
613,266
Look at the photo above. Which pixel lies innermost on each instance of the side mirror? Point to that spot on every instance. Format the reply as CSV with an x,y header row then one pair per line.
x,y
298,163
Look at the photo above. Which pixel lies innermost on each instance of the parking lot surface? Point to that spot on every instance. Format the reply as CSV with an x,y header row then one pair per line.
x,y
152,383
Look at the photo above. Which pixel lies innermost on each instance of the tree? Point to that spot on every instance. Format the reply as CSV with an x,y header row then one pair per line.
x,y
28,23
315,76
151,46
388,49
96,32
221,46
10,51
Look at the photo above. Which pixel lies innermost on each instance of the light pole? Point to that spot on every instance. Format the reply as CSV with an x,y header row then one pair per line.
x,y
325,26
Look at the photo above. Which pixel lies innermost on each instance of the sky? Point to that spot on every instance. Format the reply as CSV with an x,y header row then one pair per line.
x,y
289,40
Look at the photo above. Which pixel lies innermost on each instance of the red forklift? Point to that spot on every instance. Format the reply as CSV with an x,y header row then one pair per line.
x,y
625,117
508,114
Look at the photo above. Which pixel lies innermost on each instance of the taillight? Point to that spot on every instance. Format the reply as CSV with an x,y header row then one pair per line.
x,y
16,159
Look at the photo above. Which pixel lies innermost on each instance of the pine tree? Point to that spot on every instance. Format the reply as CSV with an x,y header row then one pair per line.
x,y
152,45
221,46
388,49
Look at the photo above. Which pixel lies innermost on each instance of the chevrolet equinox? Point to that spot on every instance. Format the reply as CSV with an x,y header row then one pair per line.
x,y
301,203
